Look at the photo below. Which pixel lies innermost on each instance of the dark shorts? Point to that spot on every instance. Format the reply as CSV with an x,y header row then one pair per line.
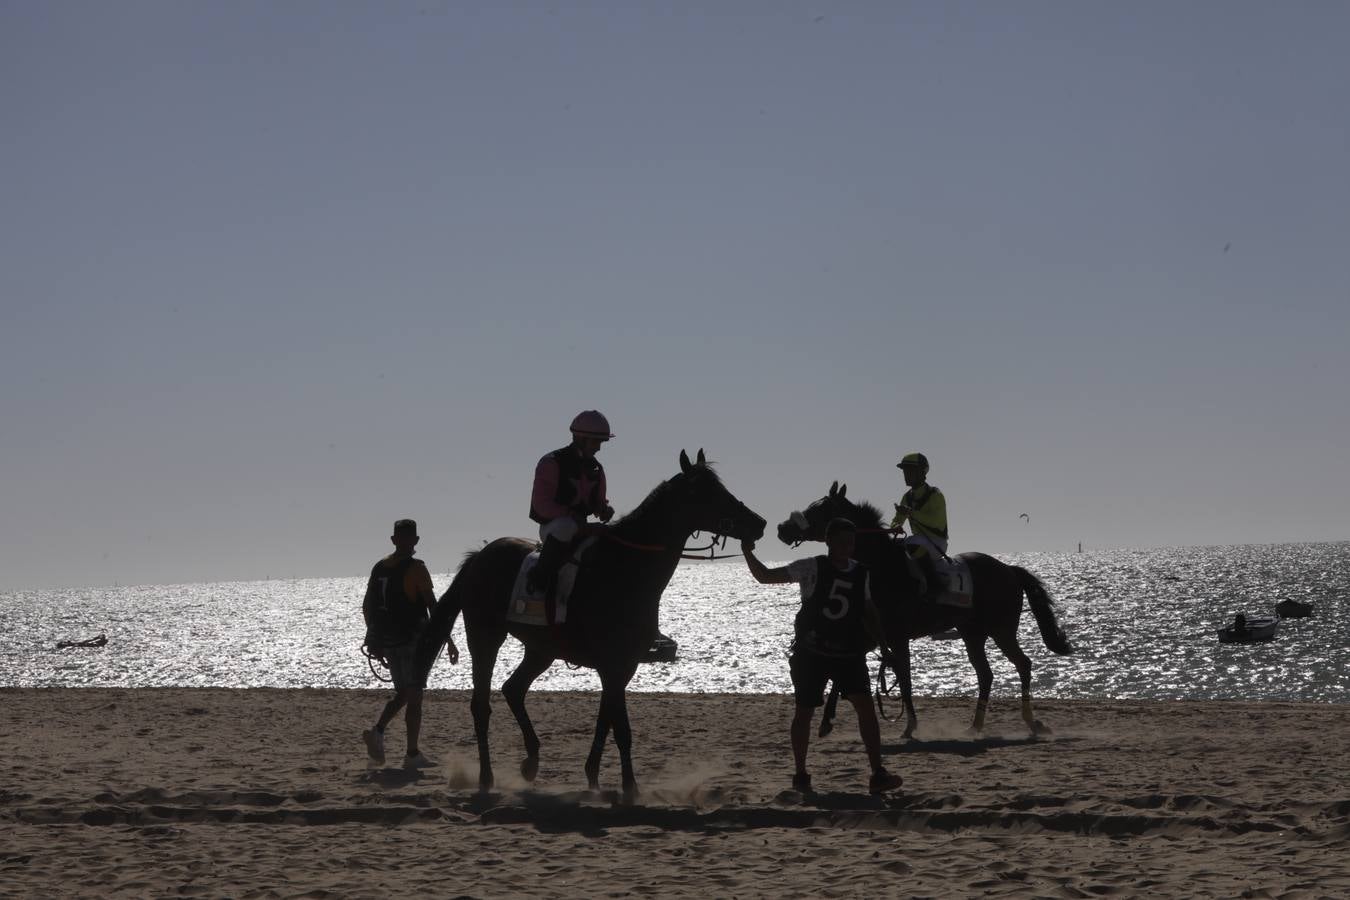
x,y
810,671
403,669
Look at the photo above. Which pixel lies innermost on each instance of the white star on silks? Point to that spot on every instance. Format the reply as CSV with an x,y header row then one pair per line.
x,y
583,486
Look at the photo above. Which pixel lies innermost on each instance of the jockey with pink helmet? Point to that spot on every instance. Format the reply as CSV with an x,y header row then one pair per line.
x,y
569,486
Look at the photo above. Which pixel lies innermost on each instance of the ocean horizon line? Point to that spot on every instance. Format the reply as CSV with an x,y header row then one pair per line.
x,y
449,573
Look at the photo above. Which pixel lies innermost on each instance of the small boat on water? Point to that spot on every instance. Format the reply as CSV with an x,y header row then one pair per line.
x,y
1293,609
1257,629
99,641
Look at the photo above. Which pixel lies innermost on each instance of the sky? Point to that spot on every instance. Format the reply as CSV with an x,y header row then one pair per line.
x,y
274,275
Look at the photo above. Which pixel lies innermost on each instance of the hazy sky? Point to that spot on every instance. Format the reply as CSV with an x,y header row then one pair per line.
x,y
275,274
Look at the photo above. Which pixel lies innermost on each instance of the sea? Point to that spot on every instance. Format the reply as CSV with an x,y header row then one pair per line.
x,y
1143,623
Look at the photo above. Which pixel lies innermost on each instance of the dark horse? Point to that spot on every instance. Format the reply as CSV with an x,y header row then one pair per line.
x,y
612,615
995,611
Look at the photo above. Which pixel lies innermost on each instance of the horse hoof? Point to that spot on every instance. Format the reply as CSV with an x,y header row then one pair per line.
x,y
630,793
529,767
825,729
485,781
1039,728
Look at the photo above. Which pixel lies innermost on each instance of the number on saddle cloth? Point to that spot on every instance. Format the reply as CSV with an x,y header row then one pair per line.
x,y
958,587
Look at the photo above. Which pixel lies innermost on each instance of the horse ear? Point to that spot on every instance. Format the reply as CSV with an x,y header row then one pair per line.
x,y
685,465
834,489
843,489
702,460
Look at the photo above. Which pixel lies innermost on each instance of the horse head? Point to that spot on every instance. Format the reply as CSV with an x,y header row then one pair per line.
x,y
706,505
809,524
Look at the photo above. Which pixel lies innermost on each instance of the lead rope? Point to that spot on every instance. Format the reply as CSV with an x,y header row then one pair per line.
x,y
371,659
883,690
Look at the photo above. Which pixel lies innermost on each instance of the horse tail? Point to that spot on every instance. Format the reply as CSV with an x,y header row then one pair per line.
x,y
1044,611
443,616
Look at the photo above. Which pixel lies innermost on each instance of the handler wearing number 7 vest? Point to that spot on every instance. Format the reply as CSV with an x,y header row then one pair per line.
x,y
832,638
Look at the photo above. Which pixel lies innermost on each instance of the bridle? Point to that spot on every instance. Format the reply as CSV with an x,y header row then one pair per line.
x,y
798,518
719,541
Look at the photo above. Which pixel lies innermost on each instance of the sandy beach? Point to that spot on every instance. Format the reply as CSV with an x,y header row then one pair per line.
x,y
244,793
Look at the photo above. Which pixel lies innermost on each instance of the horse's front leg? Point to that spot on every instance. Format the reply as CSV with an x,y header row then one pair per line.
x,y
613,688
903,675
534,664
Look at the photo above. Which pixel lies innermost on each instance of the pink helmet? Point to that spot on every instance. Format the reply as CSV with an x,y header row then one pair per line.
x,y
591,424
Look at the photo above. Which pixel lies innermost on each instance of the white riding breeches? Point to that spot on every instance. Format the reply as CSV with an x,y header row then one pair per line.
x,y
934,547
563,528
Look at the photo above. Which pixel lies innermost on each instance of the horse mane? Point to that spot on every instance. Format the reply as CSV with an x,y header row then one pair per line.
x,y
658,495
867,515
634,519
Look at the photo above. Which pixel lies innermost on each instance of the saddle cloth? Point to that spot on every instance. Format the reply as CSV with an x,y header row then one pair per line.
x,y
958,588
529,608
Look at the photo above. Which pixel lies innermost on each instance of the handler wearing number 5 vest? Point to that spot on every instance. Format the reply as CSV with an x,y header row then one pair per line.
x,y
832,629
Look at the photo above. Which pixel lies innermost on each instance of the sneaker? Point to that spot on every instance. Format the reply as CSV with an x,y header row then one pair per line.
x,y
801,782
883,781
419,761
374,744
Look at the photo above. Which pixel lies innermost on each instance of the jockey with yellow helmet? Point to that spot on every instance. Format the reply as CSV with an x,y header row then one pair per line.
x,y
569,486
925,509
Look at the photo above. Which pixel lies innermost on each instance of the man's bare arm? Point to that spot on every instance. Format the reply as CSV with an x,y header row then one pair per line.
x,y
762,573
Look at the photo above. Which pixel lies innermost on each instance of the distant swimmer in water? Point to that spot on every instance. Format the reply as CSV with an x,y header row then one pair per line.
x,y
90,642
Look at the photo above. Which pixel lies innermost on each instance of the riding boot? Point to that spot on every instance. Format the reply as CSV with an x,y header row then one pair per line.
x,y
544,576
928,566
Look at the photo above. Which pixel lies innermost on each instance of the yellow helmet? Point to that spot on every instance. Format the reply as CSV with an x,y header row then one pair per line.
x,y
914,461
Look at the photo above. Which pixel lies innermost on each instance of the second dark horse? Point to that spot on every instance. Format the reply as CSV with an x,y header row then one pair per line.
x,y
995,611
612,616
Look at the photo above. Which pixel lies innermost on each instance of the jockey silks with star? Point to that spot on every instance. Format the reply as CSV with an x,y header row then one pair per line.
x,y
569,486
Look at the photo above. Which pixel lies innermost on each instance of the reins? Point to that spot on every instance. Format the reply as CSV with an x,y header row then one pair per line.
x,y
898,529
719,541
894,530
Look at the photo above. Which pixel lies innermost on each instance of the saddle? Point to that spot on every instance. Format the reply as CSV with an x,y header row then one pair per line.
x,y
531,608
955,586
